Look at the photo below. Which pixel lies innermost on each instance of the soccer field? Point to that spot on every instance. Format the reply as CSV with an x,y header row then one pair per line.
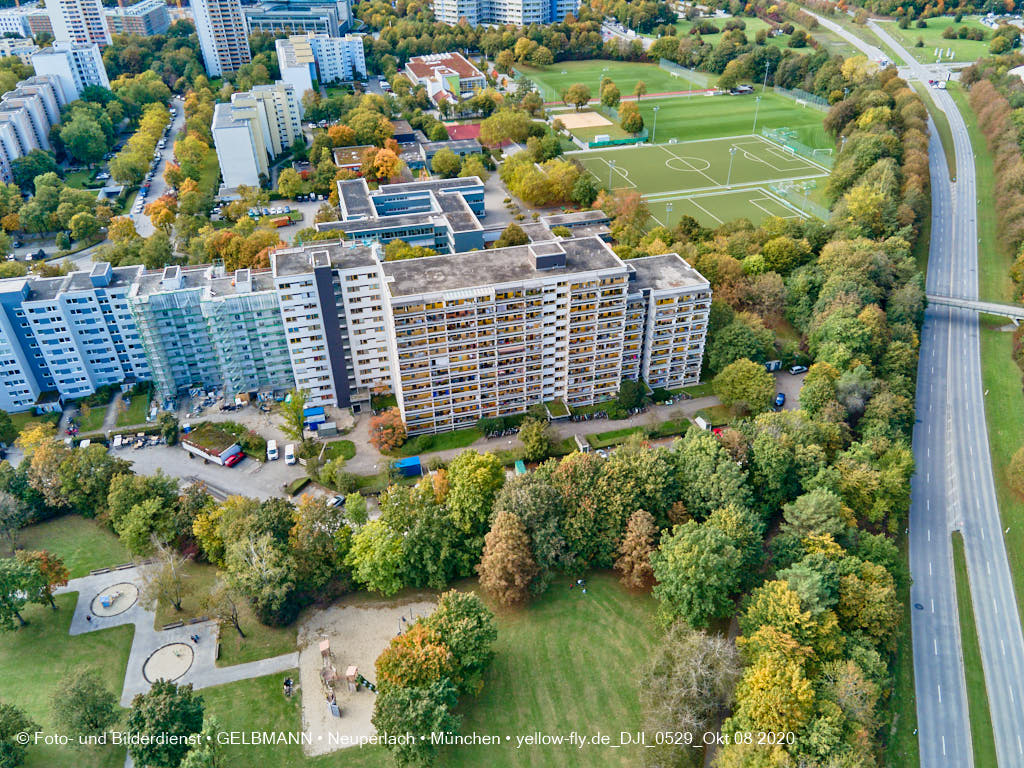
x,y
713,180
552,80
697,166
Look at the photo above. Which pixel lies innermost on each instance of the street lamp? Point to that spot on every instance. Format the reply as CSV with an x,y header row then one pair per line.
x,y
732,153
654,131
611,167
757,107
599,83
668,214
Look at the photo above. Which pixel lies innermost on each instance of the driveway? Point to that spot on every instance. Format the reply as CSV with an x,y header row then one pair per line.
x,y
258,479
789,385
158,186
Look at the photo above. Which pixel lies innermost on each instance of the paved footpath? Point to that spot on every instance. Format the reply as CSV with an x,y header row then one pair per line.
x,y
204,671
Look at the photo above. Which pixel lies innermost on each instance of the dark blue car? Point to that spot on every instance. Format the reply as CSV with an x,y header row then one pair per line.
x,y
780,400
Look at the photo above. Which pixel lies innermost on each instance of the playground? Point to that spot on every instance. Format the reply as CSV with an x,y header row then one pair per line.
x,y
338,650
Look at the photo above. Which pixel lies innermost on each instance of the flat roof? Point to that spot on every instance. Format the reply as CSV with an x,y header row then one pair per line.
x,y
431,184
288,262
455,208
350,155
669,270
576,218
475,269
354,196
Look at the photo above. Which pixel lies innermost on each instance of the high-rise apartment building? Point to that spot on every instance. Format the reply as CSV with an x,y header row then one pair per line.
x,y
456,337
223,35
149,17
13,22
321,17
325,59
26,116
73,66
81,22
516,12
255,127
22,47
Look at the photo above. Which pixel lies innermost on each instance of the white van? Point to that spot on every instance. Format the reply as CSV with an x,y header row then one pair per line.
x,y
272,450
289,453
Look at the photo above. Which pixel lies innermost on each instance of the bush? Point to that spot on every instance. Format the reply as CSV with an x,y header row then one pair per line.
x,y
253,444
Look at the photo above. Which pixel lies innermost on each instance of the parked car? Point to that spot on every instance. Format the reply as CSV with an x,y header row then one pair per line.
x,y
336,501
234,458
780,400
798,369
272,454
289,453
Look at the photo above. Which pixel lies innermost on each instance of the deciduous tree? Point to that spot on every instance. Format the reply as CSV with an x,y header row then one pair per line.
x,y
387,430
745,386
634,563
698,571
507,567
165,710
83,705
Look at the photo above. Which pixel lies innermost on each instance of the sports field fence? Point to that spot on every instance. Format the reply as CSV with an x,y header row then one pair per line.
x,y
803,97
793,193
787,138
697,78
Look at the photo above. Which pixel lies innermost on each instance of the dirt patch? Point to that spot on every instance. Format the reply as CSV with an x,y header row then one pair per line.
x,y
357,633
573,120
169,662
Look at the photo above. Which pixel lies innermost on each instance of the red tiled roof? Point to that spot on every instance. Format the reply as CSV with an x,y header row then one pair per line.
x,y
428,66
459,132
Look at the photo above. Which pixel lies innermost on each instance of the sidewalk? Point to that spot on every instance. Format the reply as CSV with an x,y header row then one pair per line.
x,y
203,673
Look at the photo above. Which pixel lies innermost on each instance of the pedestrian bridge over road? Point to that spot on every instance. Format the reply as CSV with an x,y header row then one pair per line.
x,y
1014,312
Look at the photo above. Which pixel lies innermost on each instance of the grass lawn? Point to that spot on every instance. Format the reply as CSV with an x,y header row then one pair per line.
x,y
80,180
344,448
831,41
716,415
83,544
941,125
557,408
92,418
209,174
460,438
994,262
704,389
36,659
568,661
135,413
553,80
963,50
902,749
866,34
261,642
982,739
613,436
23,419
259,705
1004,414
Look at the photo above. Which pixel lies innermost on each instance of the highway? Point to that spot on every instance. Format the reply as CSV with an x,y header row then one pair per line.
x,y
953,487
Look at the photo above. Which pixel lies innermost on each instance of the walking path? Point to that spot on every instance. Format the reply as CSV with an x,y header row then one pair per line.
x,y
203,672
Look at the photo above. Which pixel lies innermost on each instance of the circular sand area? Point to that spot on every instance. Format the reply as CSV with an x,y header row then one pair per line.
x,y
118,598
168,662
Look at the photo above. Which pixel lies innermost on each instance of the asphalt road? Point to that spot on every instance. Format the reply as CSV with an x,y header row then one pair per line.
x,y
158,186
953,488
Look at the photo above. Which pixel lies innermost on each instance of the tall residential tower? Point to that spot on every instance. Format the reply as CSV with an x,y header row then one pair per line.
x,y
81,22
223,36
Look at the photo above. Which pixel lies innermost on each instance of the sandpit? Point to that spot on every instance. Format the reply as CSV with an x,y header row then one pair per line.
x,y
169,662
118,598
573,120
357,632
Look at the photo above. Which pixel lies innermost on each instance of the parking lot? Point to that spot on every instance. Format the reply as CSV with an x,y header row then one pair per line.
x,y
789,384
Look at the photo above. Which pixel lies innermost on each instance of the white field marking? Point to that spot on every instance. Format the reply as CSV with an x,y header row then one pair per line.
x,y
615,169
709,213
719,188
684,160
756,201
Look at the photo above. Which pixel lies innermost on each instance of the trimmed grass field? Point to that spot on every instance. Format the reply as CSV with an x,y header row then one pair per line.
x,y
941,125
552,81
697,178
832,42
982,738
135,413
83,544
963,50
567,661
697,166
34,662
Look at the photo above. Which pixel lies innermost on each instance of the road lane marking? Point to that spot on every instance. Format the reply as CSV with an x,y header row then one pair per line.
x,y
940,701
935,646
1002,645
929,567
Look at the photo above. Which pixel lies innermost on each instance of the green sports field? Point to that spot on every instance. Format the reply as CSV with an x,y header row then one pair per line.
x,y
551,81
713,180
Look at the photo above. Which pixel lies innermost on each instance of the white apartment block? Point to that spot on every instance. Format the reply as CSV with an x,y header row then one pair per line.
x,y
81,22
223,35
26,116
13,21
516,12
22,47
149,17
258,125
304,59
74,67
